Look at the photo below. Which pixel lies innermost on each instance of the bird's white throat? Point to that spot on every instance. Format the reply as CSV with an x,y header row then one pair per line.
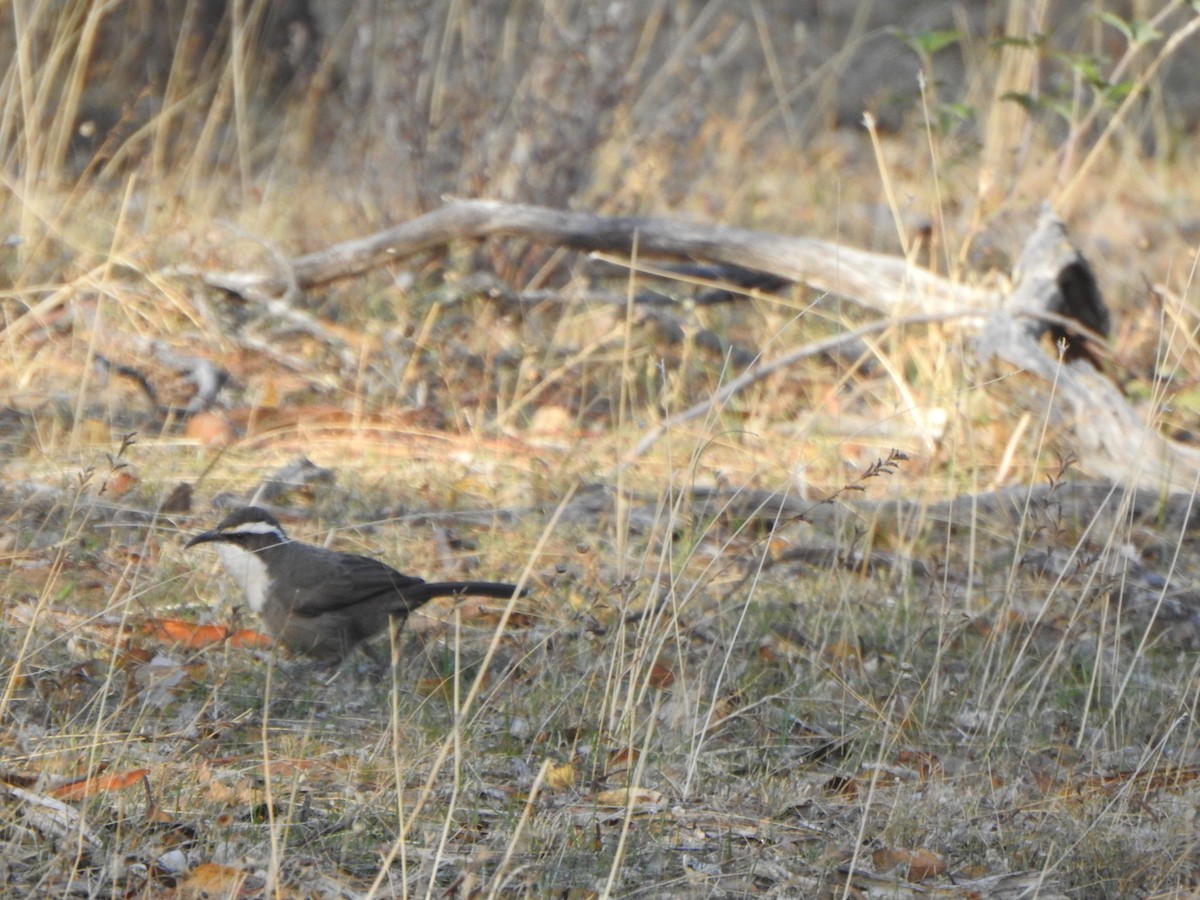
x,y
249,570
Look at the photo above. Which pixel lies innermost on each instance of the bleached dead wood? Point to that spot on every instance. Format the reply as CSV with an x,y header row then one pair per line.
x,y
1054,289
883,282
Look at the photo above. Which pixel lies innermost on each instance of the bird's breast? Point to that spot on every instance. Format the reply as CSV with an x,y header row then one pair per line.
x,y
249,570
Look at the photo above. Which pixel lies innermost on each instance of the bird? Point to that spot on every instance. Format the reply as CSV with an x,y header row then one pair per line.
x,y
319,602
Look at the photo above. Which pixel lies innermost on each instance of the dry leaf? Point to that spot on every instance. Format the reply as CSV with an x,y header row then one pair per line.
x,y
919,864
212,880
661,676
637,797
841,785
622,759
210,429
885,859
925,864
842,652
109,781
927,764
551,420
120,482
561,776
196,637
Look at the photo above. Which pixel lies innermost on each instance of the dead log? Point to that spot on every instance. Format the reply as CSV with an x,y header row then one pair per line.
x,y
883,282
1055,291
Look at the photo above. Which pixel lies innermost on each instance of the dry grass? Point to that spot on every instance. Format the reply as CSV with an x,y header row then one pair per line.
x,y
683,705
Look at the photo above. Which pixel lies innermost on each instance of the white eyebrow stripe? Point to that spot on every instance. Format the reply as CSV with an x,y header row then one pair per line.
x,y
254,528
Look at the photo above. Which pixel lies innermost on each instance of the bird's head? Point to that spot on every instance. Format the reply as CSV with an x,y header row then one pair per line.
x,y
244,539
250,528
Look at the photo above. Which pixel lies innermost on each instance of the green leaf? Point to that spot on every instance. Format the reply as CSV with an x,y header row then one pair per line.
x,y
1137,33
1118,23
1029,43
1144,34
930,42
960,111
1088,67
1066,111
1115,93
1022,99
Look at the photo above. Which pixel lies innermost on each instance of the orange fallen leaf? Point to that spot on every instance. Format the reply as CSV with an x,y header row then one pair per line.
x,y
885,859
109,781
919,864
661,676
119,483
925,864
210,429
213,880
195,637
187,633
248,637
622,759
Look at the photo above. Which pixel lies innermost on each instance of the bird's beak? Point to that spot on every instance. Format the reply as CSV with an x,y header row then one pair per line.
x,y
202,538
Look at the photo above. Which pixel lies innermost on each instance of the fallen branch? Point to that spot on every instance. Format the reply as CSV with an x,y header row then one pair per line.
x,y
1055,292
879,281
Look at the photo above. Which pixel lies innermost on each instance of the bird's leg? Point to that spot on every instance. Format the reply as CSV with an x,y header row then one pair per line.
x,y
377,661
396,628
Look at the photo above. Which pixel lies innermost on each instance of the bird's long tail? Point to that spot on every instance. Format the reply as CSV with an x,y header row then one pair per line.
x,y
420,594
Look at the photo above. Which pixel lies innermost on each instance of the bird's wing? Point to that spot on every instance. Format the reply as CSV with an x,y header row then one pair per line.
x,y
352,581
